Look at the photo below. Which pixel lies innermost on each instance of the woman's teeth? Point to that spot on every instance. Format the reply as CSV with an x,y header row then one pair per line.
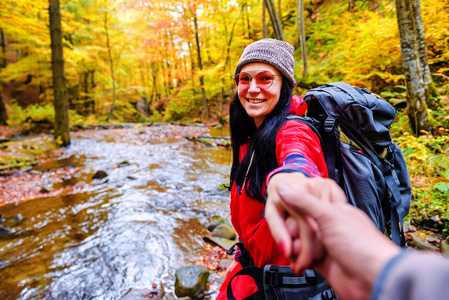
x,y
256,100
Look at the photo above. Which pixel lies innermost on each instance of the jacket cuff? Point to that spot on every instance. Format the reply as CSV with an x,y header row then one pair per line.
x,y
379,283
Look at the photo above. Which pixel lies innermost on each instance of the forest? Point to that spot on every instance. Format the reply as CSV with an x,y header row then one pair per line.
x,y
148,62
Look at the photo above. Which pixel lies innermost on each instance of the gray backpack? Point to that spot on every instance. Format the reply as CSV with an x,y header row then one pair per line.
x,y
353,126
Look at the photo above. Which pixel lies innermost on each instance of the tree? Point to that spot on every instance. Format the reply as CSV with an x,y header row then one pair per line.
x,y
111,61
414,64
200,63
275,20
302,35
432,96
57,64
264,20
3,113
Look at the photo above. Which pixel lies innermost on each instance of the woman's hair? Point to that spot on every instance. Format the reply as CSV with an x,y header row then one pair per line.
x,y
262,142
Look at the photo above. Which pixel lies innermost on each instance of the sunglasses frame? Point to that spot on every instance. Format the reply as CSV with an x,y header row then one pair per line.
x,y
251,79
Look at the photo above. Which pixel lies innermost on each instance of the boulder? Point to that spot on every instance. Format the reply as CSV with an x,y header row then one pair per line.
x,y
191,281
217,222
100,175
224,231
444,246
4,230
422,243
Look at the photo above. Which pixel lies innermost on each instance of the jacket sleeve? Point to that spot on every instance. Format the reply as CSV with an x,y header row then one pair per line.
x,y
298,149
413,275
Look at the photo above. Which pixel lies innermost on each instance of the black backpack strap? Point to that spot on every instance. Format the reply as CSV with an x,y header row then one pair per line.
x,y
255,273
328,143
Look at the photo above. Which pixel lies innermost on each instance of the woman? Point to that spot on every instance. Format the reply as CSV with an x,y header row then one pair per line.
x,y
265,144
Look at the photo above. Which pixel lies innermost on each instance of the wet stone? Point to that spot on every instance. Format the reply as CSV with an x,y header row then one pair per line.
x,y
444,246
224,231
422,243
100,175
4,230
217,222
191,281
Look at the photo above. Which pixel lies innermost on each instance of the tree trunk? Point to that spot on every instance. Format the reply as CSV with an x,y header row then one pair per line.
x,y
3,45
279,9
351,5
302,36
3,113
247,21
57,65
275,20
192,69
432,96
416,95
264,20
111,63
200,65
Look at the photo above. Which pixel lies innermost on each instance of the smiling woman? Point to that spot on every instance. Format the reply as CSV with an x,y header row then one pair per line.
x,y
264,143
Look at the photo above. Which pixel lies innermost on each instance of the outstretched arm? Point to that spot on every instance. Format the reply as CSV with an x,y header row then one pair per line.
x,y
340,241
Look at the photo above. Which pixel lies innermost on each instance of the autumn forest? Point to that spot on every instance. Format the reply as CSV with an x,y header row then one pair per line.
x,y
173,61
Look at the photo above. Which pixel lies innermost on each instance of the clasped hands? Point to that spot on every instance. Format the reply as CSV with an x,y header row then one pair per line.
x,y
315,227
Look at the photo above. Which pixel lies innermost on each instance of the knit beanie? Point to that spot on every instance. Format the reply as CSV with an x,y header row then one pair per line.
x,y
277,53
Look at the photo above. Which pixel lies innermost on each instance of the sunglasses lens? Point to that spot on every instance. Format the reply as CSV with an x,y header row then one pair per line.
x,y
264,80
242,81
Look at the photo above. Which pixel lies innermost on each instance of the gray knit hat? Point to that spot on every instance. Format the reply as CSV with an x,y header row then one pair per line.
x,y
277,53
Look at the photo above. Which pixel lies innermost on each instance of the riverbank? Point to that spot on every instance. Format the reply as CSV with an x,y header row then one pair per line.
x,y
32,168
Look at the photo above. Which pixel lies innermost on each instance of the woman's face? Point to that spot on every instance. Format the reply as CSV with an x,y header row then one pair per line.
x,y
257,102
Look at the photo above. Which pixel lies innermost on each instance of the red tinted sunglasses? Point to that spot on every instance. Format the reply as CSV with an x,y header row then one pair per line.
x,y
264,80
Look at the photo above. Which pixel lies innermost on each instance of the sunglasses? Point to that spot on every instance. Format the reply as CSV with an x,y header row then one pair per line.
x,y
264,80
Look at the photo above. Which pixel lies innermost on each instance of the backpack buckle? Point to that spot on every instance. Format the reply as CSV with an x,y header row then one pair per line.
x,y
272,278
329,124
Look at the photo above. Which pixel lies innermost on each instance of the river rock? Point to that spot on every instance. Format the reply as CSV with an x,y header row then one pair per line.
x,y
444,246
100,175
224,231
4,230
191,281
46,189
422,243
217,222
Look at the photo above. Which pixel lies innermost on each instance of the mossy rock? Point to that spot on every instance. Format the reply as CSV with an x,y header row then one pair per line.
x,y
217,222
191,281
224,231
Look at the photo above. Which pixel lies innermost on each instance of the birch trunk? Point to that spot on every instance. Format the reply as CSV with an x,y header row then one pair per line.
x,y
275,20
57,66
416,100
433,98
302,36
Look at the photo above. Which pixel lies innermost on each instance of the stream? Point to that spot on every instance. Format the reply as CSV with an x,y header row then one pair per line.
x,y
127,231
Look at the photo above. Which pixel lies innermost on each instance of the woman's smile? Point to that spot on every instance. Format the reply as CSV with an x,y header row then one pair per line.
x,y
256,101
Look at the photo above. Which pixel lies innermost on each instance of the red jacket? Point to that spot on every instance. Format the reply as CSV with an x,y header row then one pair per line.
x,y
297,149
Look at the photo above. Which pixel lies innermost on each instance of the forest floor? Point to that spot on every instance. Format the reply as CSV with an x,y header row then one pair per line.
x,y
19,181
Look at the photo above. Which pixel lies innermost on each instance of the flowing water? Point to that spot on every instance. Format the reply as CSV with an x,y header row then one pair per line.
x,y
127,232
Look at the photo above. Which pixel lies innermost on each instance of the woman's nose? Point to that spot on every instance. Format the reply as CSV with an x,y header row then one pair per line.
x,y
253,87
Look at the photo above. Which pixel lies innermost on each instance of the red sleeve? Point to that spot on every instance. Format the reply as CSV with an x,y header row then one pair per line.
x,y
298,149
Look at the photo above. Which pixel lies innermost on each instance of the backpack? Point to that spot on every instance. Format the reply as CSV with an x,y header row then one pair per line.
x,y
353,126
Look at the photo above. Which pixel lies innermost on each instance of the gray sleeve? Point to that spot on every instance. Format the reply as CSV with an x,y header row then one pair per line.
x,y
413,276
